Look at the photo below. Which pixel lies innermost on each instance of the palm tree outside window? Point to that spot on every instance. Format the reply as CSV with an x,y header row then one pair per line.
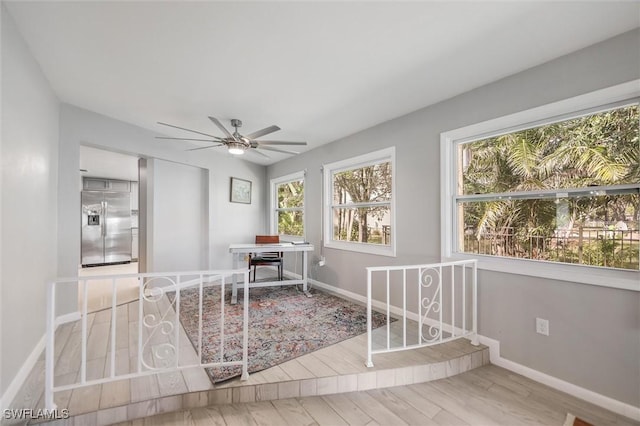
x,y
566,191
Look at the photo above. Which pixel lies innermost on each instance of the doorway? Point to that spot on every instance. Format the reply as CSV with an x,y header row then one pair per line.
x,y
110,239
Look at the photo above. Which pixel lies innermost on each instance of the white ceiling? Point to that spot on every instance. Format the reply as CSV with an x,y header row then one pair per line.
x,y
319,70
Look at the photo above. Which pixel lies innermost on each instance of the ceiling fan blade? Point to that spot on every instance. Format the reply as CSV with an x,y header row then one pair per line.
x,y
284,151
221,127
185,139
257,151
188,130
280,143
262,132
204,147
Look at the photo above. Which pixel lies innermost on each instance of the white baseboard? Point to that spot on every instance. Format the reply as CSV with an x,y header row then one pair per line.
x,y
362,299
380,306
350,295
72,316
24,371
595,398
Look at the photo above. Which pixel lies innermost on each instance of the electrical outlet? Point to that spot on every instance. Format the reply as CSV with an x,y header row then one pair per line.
x,y
542,326
321,262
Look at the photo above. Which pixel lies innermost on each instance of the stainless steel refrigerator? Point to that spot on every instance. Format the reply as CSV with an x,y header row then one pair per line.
x,y
106,227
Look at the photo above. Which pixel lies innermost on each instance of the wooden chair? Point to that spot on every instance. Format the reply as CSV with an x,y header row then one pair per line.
x,y
268,258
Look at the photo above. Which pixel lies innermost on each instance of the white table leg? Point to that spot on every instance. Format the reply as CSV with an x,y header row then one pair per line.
x,y
304,274
234,290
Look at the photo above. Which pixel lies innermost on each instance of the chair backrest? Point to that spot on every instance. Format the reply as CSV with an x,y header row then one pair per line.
x,y
267,239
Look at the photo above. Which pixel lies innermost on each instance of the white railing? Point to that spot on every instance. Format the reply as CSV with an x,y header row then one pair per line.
x,y
159,332
433,303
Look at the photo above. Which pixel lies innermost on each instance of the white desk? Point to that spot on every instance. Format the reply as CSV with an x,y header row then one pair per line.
x,y
243,249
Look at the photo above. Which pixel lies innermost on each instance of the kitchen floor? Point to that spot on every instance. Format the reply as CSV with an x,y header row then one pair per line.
x,y
99,296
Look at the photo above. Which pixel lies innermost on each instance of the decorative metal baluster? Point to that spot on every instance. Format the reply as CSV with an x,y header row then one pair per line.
x,y
431,310
430,304
161,354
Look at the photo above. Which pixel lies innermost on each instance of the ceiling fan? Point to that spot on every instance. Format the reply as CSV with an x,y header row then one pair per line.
x,y
236,143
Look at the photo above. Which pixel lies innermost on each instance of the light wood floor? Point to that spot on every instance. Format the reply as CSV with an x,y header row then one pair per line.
x,y
346,358
338,368
282,394
99,294
488,395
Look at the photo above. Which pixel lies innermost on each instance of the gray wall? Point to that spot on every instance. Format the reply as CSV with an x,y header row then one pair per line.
x,y
40,211
595,331
29,192
227,222
180,214
594,339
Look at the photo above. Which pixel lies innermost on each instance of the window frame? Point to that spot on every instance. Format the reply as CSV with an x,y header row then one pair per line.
x,y
619,95
368,159
274,209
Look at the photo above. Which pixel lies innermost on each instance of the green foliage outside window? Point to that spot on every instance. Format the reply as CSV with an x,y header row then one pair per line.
x,y
600,229
370,185
290,208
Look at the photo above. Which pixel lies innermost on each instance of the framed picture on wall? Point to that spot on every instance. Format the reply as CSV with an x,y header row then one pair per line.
x,y
240,191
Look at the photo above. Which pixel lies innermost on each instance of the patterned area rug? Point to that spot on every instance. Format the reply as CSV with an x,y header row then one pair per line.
x,y
283,324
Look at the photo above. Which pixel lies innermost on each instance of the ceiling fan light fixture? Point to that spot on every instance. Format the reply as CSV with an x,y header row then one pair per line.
x,y
236,148
236,143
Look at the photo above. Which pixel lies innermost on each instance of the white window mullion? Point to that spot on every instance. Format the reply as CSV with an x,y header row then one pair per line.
x,y
386,243
549,265
276,210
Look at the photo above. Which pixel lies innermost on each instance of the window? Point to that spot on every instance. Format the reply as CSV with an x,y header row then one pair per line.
x,y
561,190
359,200
288,200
